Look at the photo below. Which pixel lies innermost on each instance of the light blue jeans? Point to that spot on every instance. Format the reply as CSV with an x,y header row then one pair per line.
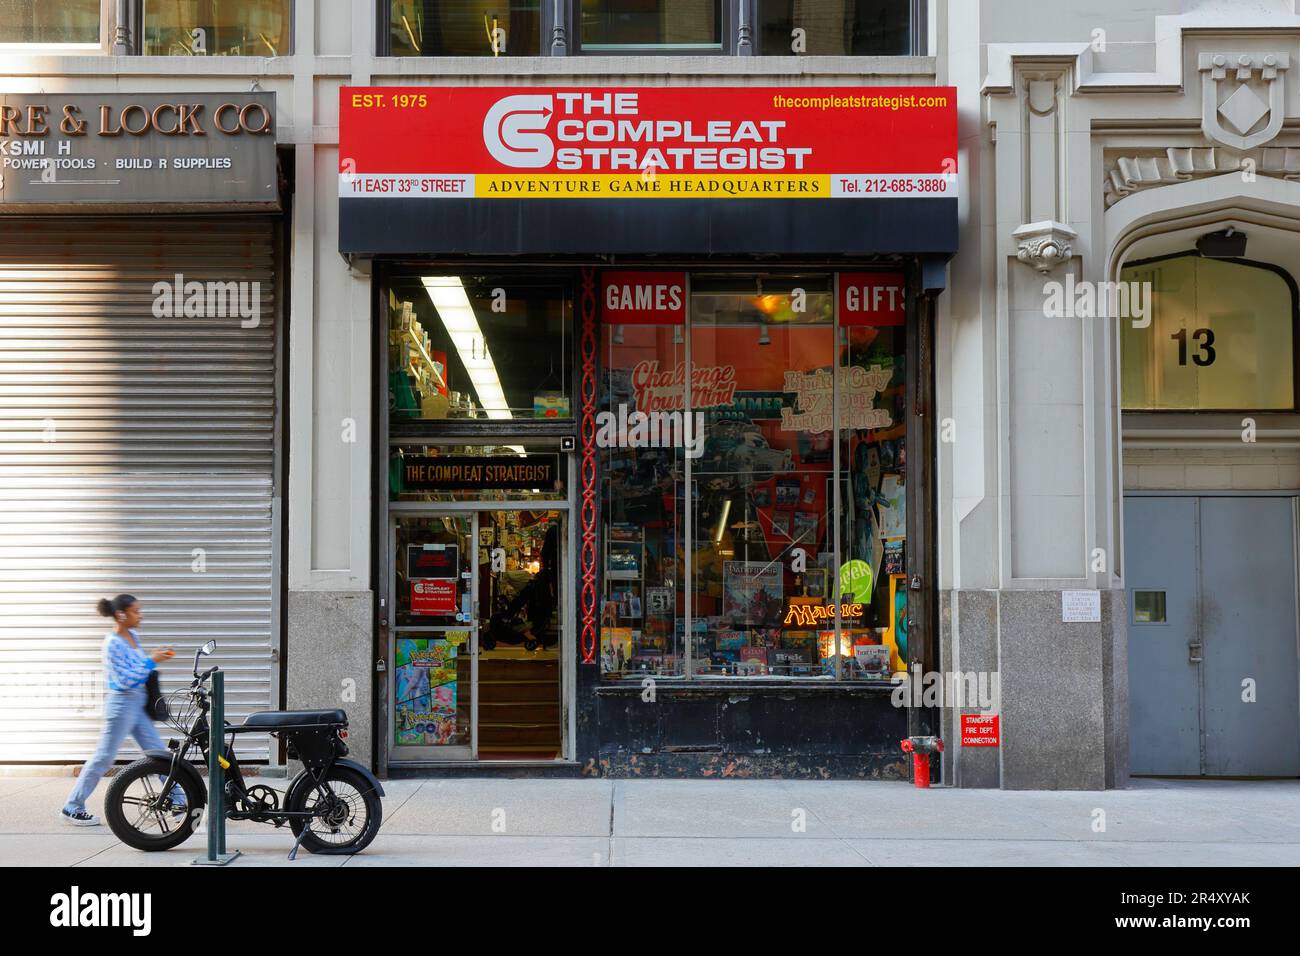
x,y
123,714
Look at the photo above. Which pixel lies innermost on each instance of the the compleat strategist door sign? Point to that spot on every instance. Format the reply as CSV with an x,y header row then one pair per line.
x,y
517,159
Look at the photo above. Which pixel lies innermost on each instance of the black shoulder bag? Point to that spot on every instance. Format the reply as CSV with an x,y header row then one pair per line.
x,y
156,704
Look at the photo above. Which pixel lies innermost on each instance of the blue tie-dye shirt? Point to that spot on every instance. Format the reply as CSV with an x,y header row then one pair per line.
x,y
124,666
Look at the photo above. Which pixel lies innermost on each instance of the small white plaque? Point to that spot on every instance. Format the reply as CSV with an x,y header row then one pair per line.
x,y
1080,607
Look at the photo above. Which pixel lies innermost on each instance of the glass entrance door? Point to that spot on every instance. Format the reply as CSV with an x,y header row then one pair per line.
x,y
477,625
520,591
434,629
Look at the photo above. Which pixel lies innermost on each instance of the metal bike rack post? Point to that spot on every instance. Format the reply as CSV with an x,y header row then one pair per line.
x,y
217,855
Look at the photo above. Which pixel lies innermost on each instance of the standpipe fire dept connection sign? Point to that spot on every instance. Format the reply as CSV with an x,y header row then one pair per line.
x,y
489,143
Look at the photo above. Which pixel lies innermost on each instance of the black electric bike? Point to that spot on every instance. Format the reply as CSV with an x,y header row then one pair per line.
x,y
332,806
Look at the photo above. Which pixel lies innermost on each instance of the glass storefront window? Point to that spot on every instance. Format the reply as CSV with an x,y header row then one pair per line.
x,y
217,27
1220,336
835,27
488,346
642,612
873,498
765,561
41,22
633,24
465,27
760,347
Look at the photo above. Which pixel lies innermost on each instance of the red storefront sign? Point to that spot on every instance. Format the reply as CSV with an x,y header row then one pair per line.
x,y
433,596
980,730
643,298
441,142
872,298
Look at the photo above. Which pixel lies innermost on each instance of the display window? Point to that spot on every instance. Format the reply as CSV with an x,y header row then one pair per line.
x,y
643,352
493,347
737,508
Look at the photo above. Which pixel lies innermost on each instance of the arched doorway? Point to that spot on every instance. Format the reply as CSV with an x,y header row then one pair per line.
x,y
1208,394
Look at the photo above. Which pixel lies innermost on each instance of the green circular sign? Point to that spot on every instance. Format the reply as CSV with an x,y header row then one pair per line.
x,y
856,579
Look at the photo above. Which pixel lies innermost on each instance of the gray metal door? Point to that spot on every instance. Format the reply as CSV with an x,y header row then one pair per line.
x,y
138,453
1161,541
1248,613
1212,636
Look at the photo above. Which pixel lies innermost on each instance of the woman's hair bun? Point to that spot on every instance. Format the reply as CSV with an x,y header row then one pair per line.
x,y
116,606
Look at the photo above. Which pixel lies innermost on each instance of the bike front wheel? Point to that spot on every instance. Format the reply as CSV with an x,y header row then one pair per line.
x,y
145,818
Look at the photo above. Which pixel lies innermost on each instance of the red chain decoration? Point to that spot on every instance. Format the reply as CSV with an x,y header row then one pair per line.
x,y
590,492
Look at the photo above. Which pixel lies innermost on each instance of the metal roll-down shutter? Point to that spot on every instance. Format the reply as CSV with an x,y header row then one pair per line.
x,y
137,454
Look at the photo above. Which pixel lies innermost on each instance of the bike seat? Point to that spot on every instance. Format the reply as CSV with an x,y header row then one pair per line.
x,y
294,718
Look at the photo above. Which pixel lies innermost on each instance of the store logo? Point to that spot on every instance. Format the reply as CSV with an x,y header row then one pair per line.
x,y
622,429
208,300
811,615
74,909
514,131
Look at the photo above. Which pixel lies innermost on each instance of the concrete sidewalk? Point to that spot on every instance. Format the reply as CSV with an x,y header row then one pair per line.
x,y
473,822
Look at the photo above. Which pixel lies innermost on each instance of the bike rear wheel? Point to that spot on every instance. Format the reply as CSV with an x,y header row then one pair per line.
x,y
350,811
142,816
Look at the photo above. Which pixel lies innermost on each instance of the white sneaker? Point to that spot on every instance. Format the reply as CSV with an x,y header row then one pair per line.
x,y
79,819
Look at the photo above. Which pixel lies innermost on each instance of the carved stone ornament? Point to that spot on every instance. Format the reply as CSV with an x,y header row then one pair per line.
x,y
1129,174
1044,245
1243,97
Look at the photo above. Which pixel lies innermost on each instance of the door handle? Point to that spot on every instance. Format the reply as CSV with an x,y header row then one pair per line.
x,y
1194,653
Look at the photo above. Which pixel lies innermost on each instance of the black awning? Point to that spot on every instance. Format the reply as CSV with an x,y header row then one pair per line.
x,y
731,227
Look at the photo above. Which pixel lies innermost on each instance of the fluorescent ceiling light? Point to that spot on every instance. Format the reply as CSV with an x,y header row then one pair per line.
x,y
447,293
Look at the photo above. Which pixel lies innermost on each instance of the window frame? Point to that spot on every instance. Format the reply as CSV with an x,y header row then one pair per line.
x,y
563,16
107,24
1277,270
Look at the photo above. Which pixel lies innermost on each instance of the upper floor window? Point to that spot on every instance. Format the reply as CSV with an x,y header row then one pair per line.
x,y
619,26
217,27
46,24
837,27
1220,336
575,27
465,27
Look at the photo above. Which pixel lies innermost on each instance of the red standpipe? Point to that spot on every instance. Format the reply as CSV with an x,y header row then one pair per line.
x,y
920,748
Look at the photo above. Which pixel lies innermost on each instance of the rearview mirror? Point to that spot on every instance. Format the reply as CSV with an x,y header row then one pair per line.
x,y
208,648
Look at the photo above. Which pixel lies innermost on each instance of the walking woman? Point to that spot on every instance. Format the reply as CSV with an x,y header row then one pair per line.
x,y
126,669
